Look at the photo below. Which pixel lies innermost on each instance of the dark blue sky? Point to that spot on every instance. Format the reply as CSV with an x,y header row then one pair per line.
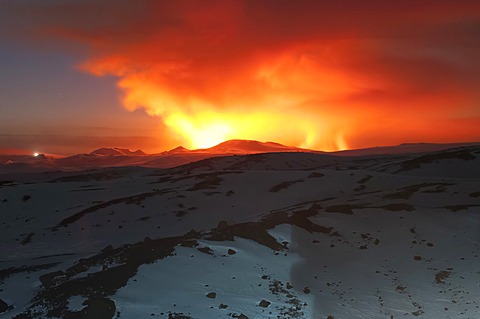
x,y
48,105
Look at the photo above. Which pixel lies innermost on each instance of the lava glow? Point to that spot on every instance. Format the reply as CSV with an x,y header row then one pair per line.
x,y
207,129
271,100
326,75
202,133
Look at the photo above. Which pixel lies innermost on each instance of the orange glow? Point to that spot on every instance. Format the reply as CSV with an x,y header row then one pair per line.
x,y
302,73
274,99
302,97
207,129
204,125
203,133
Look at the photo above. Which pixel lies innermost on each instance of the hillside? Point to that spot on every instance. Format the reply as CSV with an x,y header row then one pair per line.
x,y
280,235
120,157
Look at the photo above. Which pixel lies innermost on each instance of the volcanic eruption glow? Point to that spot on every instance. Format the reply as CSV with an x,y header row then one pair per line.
x,y
315,74
269,100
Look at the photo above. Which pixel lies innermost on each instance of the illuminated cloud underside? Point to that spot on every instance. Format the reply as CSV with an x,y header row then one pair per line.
x,y
318,74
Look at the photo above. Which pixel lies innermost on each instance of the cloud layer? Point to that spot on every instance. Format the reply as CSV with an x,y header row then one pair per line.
x,y
319,74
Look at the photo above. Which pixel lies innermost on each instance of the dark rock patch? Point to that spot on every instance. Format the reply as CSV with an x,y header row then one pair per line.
x,y
462,154
365,179
456,208
302,221
344,209
409,191
137,199
210,181
4,306
97,176
97,308
211,295
27,239
441,276
181,213
283,185
6,183
5,273
396,207
87,190
205,250
52,279
174,315
189,243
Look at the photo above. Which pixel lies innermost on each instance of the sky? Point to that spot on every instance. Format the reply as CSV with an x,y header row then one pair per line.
x,y
153,75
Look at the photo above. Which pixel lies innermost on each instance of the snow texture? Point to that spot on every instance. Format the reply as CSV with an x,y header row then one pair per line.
x,y
277,235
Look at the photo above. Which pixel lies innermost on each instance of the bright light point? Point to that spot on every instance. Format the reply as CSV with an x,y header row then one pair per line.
x,y
35,154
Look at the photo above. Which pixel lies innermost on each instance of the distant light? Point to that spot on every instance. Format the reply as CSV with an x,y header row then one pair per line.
x,y
35,154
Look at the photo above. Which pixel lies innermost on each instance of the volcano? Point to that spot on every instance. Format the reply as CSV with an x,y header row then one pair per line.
x,y
251,147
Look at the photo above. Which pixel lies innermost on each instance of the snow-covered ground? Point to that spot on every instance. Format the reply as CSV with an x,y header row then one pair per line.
x,y
279,235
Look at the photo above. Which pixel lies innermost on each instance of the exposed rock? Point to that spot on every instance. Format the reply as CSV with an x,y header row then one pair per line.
x,y
52,279
222,225
101,308
441,276
212,295
175,315
4,306
205,250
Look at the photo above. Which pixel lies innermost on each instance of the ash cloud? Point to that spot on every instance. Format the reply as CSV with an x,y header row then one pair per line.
x,y
331,74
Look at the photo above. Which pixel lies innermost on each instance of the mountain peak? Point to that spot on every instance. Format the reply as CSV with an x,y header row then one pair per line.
x,y
178,150
249,147
115,151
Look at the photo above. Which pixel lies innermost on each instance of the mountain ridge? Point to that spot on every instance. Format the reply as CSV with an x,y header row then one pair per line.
x,y
117,157
115,151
